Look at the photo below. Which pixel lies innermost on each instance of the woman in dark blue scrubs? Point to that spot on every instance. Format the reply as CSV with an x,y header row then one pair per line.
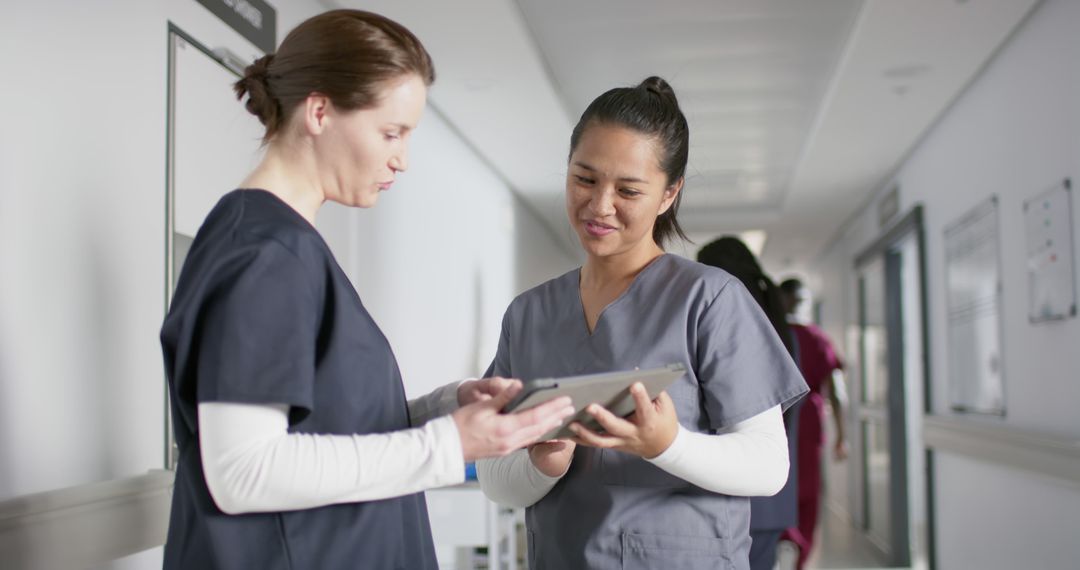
x,y
298,448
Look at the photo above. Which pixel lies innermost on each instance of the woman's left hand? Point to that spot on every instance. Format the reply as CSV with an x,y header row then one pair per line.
x,y
471,391
647,432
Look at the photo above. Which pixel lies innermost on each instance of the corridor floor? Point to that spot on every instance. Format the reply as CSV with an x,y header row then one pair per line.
x,y
839,547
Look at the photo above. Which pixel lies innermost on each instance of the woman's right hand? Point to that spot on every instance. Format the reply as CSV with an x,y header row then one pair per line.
x,y
552,457
486,432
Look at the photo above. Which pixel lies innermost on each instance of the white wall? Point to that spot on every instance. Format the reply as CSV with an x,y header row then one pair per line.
x,y
545,252
1014,133
835,288
82,236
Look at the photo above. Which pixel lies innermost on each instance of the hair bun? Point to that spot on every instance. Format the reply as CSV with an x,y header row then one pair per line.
x,y
255,84
260,67
657,85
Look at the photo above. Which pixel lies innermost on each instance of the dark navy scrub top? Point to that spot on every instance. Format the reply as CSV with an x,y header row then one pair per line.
x,y
263,314
613,510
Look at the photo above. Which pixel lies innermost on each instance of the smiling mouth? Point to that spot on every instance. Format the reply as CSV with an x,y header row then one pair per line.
x,y
597,229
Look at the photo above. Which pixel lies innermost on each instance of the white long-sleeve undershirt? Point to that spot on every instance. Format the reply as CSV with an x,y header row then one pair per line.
x,y
253,464
749,459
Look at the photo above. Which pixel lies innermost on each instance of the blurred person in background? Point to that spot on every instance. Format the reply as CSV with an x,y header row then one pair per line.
x,y
769,516
823,371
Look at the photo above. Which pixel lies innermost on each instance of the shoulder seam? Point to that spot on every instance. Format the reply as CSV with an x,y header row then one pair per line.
x,y
723,288
312,289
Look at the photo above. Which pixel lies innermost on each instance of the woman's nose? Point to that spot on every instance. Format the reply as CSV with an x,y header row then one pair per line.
x,y
602,202
400,161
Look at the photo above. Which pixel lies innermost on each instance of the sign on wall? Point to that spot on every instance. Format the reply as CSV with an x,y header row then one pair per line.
x,y
973,301
1050,262
254,19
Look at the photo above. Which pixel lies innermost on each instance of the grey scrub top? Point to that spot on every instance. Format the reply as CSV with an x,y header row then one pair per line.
x,y
615,510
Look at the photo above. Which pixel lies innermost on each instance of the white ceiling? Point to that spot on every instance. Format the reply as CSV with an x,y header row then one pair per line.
x,y
798,110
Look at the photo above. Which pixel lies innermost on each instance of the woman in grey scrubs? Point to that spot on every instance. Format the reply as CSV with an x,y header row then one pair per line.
x,y
667,487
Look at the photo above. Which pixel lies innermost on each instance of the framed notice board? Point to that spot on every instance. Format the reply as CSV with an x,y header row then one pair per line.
x,y
1050,260
973,302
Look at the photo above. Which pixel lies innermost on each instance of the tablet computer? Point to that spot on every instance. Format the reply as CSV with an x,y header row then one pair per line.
x,y
609,389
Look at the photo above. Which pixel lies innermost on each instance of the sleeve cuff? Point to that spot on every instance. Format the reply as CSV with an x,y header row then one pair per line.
x,y
538,478
448,397
674,452
439,402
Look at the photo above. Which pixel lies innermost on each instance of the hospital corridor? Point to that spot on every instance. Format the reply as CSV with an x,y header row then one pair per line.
x,y
539,284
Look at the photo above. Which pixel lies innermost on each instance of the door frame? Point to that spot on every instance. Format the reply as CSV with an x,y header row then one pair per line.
x,y
911,224
173,34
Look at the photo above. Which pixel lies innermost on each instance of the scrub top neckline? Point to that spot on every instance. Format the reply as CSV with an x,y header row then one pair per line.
x,y
275,198
279,201
623,295
292,211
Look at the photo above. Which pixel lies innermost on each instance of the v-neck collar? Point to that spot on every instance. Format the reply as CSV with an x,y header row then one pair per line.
x,y
581,315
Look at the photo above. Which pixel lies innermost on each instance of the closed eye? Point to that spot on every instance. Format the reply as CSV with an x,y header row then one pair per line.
x,y
584,180
629,192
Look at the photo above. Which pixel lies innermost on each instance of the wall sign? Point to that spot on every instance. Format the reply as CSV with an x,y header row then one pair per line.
x,y
973,302
1051,273
254,19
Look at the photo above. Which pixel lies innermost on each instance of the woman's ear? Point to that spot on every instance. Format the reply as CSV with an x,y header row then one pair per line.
x,y
316,111
670,193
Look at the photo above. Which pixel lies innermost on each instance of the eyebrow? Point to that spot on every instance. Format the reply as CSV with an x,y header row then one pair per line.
x,y
402,127
622,179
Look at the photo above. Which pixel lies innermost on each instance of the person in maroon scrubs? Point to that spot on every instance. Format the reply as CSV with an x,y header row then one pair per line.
x,y
820,366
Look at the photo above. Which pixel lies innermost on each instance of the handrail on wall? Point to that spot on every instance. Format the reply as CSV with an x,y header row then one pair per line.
x,y
1047,454
86,525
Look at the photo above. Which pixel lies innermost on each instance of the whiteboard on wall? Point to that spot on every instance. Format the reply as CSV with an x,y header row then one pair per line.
x,y
1050,268
213,143
973,301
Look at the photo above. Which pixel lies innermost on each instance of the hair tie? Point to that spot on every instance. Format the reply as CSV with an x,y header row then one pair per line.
x,y
261,67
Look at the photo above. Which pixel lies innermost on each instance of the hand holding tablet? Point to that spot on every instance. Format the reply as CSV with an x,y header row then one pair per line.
x,y
647,433
610,390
